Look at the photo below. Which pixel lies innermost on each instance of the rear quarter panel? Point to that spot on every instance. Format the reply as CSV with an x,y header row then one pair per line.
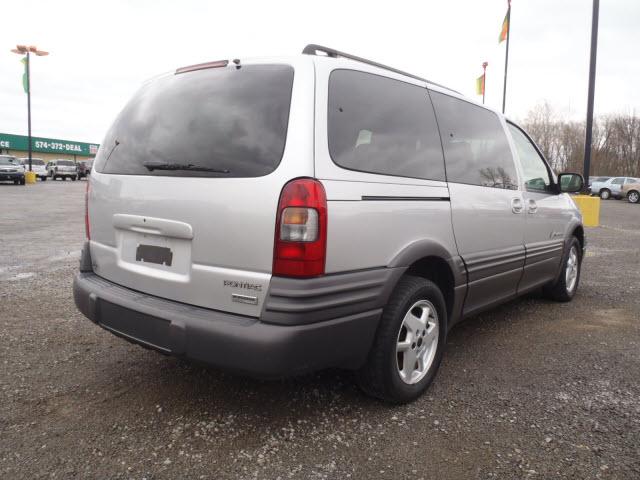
x,y
373,218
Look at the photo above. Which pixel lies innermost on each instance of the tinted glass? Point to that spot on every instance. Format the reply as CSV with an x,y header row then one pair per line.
x,y
536,175
617,181
383,126
233,121
34,161
4,160
476,149
66,163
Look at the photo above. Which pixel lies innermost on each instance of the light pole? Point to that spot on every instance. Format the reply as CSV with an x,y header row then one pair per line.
x,y
24,50
592,87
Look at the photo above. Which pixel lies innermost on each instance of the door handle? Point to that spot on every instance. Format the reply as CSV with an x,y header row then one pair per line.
x,y
516,205
533,206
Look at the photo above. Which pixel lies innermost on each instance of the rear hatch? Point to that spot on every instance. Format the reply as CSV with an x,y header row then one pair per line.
x,y
185,187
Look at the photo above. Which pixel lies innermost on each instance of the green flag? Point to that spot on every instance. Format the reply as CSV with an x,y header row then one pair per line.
x,y
25,77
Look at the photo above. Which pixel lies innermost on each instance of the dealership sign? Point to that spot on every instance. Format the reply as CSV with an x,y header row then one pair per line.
x,y
47,145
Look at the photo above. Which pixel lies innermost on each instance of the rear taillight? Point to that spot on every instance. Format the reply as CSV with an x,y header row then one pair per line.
x,y
301,230
87,229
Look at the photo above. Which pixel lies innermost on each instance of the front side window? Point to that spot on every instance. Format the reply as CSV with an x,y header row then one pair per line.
x,y
534,169
383,126
475,145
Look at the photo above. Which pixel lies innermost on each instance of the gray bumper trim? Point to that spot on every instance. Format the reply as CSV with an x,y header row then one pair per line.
x,y
296,301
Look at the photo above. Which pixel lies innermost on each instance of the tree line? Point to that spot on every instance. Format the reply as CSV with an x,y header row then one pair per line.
x,y
616,141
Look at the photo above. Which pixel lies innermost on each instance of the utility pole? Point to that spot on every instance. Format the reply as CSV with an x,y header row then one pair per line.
x,y
592,86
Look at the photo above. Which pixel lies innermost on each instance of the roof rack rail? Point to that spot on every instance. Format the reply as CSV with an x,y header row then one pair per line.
x,y
313,49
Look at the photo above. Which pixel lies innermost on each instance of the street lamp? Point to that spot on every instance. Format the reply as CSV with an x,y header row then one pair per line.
x,y
24,50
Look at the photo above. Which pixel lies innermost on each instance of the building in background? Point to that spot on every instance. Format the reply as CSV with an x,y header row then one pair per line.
x,y
47,148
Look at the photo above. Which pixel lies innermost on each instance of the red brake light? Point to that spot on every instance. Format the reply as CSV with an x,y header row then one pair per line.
x,y
300,245
87,229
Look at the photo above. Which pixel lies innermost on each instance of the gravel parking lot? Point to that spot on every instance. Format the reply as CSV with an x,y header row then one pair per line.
x,y
534,389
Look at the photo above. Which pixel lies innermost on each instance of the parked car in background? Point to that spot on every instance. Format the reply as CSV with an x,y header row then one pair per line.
x,y
83,169
345,216
611,187
37,166
632,192
62,169
597,179
11,170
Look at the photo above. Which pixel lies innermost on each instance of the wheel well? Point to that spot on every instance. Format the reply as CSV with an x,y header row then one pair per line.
x,y
438,271
579,234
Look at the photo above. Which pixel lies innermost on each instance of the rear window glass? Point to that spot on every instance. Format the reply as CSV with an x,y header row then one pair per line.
x,y
66,163
385,126
218,122
34,161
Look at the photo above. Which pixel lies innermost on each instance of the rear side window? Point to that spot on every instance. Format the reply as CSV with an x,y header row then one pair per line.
x,y
384,126
217,122
476,149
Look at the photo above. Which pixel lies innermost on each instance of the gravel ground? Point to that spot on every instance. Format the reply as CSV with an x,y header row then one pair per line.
x,y
533,389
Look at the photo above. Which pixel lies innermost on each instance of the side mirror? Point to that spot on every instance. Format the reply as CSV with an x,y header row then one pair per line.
x,y
570,182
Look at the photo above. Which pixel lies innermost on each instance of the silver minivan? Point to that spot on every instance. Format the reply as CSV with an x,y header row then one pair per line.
x,y
283,215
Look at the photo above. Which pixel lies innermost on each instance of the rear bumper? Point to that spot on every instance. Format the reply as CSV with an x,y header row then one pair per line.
x,y
224,340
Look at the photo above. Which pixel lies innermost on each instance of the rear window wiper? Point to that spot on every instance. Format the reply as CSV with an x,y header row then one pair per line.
x,y
151,166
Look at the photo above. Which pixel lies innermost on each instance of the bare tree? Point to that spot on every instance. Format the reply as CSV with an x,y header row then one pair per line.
x,y
616,141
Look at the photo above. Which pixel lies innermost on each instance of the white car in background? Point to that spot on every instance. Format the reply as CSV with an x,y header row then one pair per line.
x,y
37,165
62,169
612,187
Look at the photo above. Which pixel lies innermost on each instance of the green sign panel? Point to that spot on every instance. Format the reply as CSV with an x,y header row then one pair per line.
x,y
47,145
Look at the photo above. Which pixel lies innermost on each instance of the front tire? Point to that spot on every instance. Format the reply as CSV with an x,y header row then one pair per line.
x,y
565,287
605,194
409,343
633,196
44,179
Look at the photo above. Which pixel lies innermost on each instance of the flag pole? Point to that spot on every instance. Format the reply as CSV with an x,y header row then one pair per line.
x,y
484,79
506,57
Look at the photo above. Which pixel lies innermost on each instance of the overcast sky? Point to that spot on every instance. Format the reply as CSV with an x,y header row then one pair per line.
x,y
102,51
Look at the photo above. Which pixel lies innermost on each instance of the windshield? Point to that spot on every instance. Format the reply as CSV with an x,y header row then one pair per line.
x,y
229,122
4,160
34,161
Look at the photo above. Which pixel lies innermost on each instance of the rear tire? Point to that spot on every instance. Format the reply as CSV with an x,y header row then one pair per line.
x,y
565,287
413,328
44,179
633,196
605,194
23,181
73,179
